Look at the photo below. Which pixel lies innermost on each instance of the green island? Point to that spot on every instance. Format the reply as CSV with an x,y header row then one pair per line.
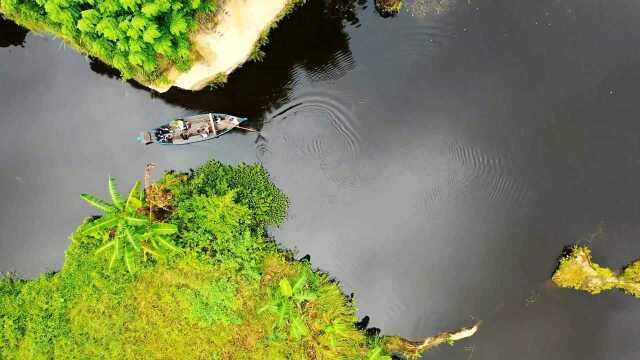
x,y
159,43
183,269
578,271
388,7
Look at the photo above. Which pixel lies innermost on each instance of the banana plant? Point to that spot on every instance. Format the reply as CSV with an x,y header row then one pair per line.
x,y
124,230
377,353
333,332
289,304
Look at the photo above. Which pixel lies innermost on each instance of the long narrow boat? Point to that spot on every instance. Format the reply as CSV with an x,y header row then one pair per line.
x,y
191,129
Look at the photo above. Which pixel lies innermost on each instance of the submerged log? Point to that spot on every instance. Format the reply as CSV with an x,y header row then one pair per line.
x,y
414,349
388,8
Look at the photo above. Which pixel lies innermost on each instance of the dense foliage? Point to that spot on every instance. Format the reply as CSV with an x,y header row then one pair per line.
x,y
124,229
230,293
140,38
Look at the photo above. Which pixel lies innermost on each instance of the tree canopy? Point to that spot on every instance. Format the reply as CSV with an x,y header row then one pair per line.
x,y
140,38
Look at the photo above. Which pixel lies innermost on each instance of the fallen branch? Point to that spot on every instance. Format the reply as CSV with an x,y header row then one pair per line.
x,y
414,349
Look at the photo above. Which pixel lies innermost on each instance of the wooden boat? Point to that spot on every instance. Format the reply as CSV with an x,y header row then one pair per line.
x,y
191,129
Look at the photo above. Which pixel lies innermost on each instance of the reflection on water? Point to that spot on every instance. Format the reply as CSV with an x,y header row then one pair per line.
x,y
319,127
11,34
423,8
310,44
436,165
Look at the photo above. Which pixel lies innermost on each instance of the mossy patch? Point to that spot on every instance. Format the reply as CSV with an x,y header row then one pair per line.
x,y
578,271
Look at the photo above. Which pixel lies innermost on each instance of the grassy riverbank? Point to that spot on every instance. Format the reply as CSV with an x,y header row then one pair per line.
x,y
140,38
241,30
182,270
159,43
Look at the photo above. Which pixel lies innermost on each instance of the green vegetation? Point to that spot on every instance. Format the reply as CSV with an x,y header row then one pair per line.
x,y
578,271
140,38
124,230
227,291
257,54
388,7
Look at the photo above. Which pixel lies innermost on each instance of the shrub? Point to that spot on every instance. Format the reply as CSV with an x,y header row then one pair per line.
x,y
124,231
251,187
140,38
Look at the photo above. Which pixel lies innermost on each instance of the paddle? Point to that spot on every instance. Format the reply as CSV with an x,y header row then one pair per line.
x,y
253,130
248,129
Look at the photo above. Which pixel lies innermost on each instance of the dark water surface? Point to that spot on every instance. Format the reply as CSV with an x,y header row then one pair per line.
x,y
437,163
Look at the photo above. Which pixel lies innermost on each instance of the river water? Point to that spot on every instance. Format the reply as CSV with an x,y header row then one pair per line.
x,y
437,162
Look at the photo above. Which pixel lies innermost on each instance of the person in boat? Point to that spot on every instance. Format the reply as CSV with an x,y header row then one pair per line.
x,y
227,123
165,138
177,124
204,133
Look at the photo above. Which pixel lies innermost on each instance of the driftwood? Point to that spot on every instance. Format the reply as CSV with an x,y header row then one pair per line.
x,y
413,349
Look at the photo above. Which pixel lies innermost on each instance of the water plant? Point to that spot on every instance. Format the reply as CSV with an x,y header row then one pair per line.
x,y
124,231
578,271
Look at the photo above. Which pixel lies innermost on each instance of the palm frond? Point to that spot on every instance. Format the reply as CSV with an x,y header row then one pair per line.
x,y
114,193
116,253
152,252
300,282
100,224
136,221
128,261
167,244
164,229
131,240
133,202
96,202
105,247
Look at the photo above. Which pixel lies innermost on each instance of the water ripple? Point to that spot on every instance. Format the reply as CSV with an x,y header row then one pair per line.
x,y
336,66
474,169
326,132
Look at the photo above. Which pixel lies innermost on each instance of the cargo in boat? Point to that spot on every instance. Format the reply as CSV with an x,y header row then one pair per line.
x,y
191,129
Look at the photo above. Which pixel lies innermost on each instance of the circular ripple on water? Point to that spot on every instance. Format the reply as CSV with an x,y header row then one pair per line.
x,y
475,169
319,127
335,67
424,37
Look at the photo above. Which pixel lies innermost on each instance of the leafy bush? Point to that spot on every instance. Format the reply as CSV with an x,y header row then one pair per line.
x,y
140,38
232,294
250,184
124,231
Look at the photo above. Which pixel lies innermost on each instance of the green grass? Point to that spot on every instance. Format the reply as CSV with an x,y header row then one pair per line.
x,y
140,38
229,292
220,297
257,54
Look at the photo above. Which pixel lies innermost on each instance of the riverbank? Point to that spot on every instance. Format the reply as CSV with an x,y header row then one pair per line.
x,y
183,269
159,44
241,27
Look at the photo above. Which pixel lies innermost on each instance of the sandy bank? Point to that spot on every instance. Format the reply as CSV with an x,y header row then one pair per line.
x,y
225,47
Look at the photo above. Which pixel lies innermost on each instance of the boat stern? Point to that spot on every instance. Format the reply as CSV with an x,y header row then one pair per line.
x,y
145,138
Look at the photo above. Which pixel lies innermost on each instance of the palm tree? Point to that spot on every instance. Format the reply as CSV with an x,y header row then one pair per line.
x,y
123,229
